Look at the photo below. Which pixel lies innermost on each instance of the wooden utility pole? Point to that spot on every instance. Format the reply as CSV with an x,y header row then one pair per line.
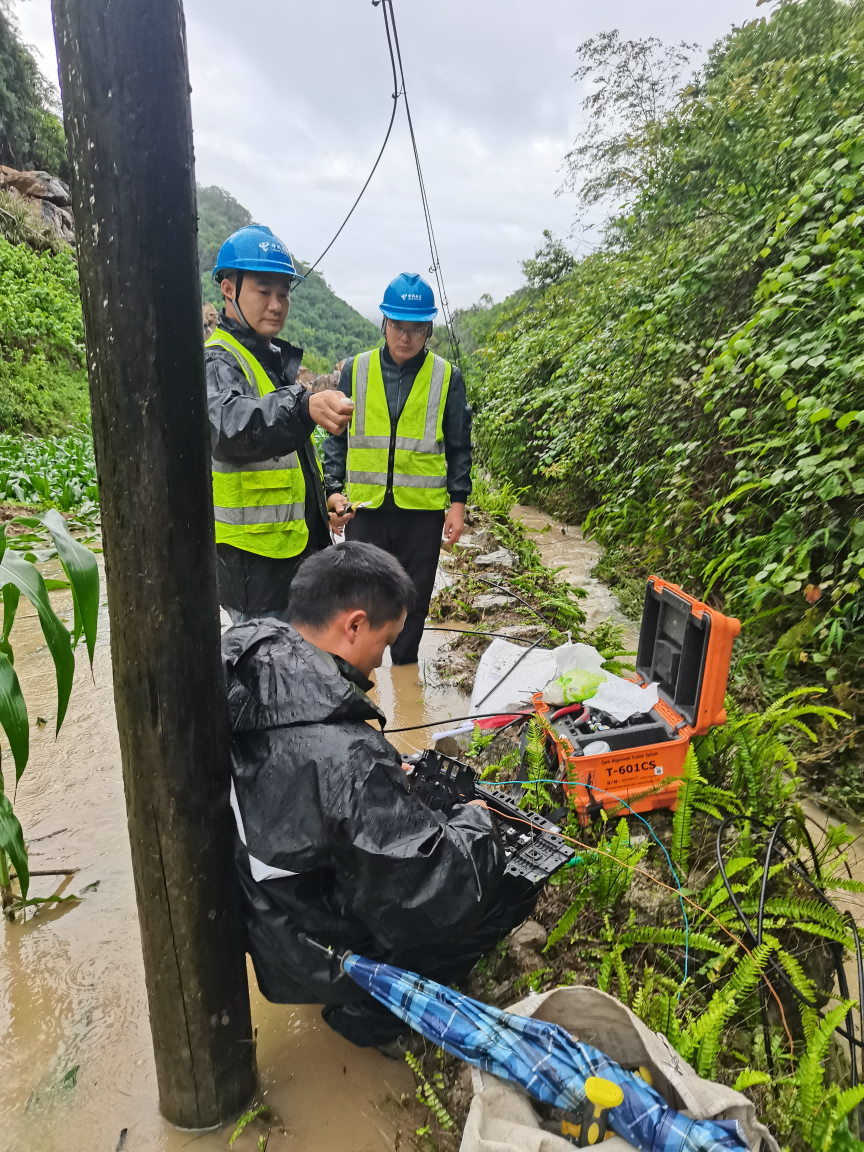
x,y
125,87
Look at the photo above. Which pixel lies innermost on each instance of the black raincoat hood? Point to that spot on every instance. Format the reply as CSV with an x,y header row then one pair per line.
x,y
275,678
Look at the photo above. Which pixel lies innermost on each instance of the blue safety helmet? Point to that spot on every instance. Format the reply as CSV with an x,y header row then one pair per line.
x,y
255,249
409,297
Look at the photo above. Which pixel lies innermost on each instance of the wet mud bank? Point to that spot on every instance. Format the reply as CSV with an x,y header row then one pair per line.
x,y
525,577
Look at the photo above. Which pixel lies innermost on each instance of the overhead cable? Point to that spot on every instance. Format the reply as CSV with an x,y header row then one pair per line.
x,y
399,90
396,94
427,214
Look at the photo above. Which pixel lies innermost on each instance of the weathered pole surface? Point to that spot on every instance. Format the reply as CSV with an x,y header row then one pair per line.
x,y
125,87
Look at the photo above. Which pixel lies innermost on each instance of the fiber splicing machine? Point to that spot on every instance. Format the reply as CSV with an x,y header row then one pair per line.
x,y
685,648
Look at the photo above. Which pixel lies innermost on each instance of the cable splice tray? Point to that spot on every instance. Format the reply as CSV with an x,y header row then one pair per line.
x,y
685,648
532,853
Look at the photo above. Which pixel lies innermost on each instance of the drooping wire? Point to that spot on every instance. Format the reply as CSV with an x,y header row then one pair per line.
x,y
797,865
427,215
397,92
624,804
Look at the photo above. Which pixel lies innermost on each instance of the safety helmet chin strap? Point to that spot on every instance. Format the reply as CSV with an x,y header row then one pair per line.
x,y
236,300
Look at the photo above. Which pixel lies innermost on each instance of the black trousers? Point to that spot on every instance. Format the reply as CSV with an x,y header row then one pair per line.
x,y
368,1023
251,586
414,538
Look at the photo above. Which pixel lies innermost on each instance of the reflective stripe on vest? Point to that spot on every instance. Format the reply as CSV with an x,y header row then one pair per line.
x,y
260,505
419,466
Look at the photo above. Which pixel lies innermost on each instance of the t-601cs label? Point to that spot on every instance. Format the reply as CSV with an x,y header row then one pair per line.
x,y
632,768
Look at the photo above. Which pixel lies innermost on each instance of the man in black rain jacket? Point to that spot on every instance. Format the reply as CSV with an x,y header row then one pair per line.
x,y
269,503
331,843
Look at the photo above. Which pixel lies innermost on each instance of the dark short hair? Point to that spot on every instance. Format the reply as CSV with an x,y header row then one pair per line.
x,y
350,576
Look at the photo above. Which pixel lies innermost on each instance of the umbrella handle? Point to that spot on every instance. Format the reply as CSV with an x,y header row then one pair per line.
x,y
601,1096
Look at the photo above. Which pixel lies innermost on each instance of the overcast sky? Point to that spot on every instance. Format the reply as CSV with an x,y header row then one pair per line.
x,y
290,102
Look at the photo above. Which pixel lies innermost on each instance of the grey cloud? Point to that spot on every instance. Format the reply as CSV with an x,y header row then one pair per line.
x,y
291,99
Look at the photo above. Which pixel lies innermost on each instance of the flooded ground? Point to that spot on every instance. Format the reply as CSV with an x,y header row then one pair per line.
x,y
563,546
76,1066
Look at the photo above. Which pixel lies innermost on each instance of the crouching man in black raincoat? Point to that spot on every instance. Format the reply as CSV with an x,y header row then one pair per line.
x,y
331,842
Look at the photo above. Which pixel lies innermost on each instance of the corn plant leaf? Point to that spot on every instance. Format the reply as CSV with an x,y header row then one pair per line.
x,y
79,564
13,715
12,841
11,596
28,579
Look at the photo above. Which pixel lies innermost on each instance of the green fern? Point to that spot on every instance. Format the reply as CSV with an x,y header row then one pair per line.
x,y
426,1093
828,1121
568,920
688,792
809,1074
749,1078
650,934
611,871
604,979
703,1036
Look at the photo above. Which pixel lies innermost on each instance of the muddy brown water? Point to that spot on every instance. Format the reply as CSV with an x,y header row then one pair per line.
x,y
72,991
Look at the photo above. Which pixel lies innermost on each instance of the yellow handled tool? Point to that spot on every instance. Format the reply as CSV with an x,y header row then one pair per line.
x,y
601,1096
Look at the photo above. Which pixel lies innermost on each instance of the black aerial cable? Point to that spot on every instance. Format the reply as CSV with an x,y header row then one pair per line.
x,y
516,596
393,37
397,92
427,215
517,713
797,865
473,632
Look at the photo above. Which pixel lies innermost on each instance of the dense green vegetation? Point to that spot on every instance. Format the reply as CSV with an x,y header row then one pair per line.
x,y
43,382
31,134
696,386
326,327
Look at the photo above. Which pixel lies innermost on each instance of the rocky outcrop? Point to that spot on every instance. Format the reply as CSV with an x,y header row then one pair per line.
x,y
316,383
209,318
45,196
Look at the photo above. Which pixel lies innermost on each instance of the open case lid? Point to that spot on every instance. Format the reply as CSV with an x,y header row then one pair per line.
x,y
685,648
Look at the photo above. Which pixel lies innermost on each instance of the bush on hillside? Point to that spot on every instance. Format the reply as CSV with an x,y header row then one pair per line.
x,y
31,134
697,385
43,383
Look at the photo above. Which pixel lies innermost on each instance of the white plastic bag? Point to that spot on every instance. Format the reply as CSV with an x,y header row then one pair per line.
x,y
529,673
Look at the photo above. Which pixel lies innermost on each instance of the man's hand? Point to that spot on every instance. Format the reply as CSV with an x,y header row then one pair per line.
x,y
336,505
454,524
331,410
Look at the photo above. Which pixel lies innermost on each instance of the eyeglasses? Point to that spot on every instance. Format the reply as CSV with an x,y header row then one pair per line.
x,y
412,329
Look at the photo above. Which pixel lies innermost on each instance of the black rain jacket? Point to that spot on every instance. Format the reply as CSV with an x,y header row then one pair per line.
x,y
246,427
322,798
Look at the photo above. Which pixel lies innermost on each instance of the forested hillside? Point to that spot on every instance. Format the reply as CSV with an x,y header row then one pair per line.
x,y
31,134
695,388
319,321
43,384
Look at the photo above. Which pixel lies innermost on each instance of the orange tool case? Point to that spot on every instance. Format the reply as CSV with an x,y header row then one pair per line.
x,y
684,648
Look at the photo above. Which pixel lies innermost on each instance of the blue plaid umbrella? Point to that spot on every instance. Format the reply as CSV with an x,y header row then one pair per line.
x,y
541,1057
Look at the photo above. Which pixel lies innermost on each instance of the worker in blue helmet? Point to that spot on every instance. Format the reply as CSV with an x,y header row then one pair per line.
x,y
270,506
406,455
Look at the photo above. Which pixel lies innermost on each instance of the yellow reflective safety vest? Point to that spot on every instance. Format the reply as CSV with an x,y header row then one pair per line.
x,y
419,468
260,505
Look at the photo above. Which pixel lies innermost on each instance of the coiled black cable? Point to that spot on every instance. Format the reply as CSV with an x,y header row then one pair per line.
x,y
776,838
